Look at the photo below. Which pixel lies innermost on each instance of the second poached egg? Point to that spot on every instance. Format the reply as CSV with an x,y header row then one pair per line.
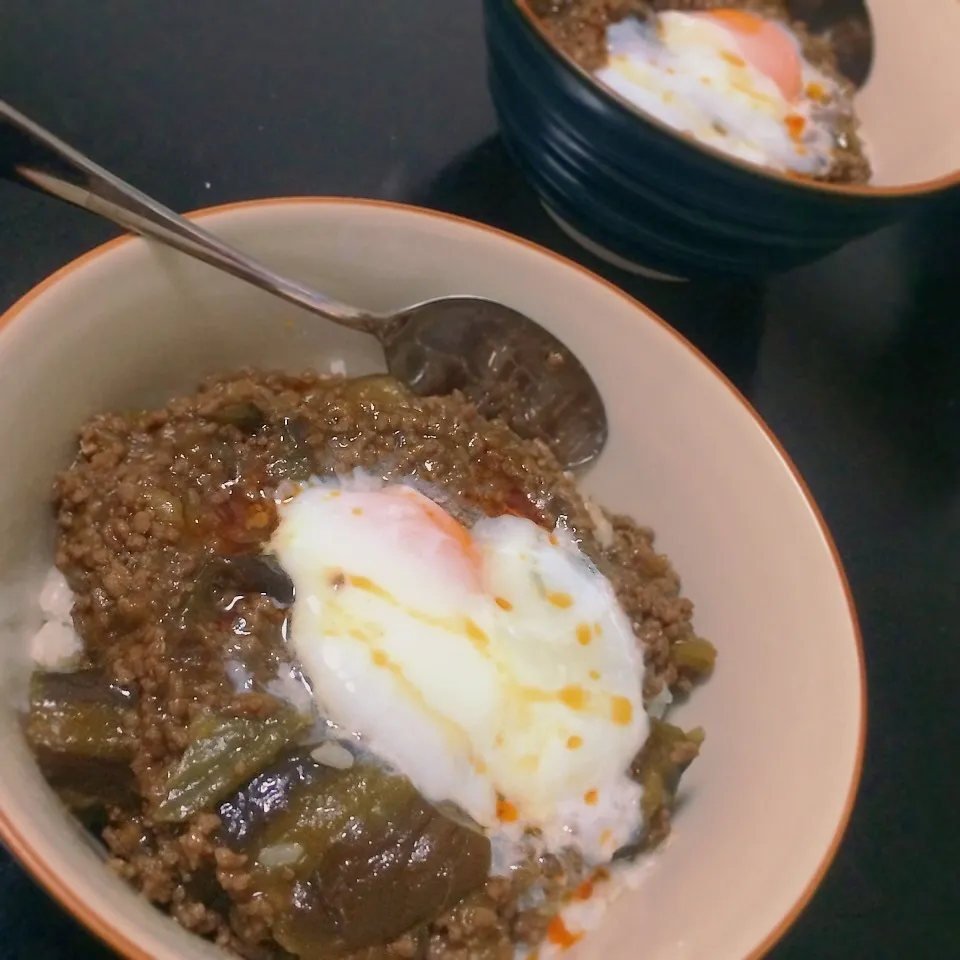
x,y
730,79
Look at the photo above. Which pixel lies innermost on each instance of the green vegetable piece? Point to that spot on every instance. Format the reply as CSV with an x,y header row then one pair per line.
x,y
79,715
694,656
660,764
296,461
166,505
377,390
357,858
75,729
223,754
245,415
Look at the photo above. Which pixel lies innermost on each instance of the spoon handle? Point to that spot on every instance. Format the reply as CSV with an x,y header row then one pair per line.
x,y
33,157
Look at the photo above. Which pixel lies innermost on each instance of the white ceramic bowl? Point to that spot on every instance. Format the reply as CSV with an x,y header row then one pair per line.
x,y
767,802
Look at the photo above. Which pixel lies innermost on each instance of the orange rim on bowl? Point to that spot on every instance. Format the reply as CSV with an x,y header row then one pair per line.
x,y
849,190
69,899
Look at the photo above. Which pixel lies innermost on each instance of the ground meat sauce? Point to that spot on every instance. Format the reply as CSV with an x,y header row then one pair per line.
x,y
161,521
579,29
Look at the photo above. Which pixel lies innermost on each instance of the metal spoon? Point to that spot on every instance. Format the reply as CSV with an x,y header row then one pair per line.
x,y
502,360
846,25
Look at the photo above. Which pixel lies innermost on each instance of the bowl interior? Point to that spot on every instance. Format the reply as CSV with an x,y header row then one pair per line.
x,y
908,104
768,799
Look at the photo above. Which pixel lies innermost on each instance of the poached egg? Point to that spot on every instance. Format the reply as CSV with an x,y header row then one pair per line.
x,y
730,79
494,667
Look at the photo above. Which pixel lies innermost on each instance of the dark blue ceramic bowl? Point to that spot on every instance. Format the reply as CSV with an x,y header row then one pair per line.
x,y
646,196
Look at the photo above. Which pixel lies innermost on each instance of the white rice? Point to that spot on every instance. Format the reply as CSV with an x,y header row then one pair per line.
x,y
601,525
56,645
331,754
280,855
238,675
290,685
660,704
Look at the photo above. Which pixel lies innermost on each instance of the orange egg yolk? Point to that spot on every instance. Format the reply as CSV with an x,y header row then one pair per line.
x,y
766,46
429,512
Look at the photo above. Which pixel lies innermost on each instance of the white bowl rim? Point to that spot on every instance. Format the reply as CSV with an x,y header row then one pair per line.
x,y
922,188
45,873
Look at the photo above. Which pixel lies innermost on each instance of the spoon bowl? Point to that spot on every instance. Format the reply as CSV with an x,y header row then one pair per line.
x,y
502,360
507,365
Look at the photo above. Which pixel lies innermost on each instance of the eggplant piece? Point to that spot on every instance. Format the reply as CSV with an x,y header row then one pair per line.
x,y
296,462
79,715
351,859
247,813
245,415
87,786
75,728
247,575
236,576
223,754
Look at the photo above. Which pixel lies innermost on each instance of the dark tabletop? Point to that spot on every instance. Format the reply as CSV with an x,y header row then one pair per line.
x,y
854,362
